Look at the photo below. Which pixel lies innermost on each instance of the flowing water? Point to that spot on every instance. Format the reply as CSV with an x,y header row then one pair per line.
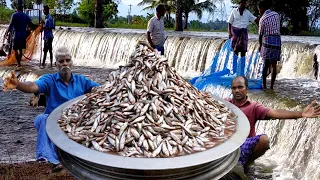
x,y
295,145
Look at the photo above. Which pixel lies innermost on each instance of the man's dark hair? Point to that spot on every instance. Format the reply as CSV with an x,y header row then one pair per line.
x,y
160,7
46,7
245,80
264,4
19,5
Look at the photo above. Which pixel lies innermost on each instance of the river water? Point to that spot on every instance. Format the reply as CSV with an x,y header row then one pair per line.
x,y
295,145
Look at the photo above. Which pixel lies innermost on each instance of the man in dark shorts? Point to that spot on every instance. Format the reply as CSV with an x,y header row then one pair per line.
x,y
19,22
48,35
256,145
269,40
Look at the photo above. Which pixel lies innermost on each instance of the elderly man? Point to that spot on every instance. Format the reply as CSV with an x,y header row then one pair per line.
x,y
47,36
269,40
256,145
18,23
58,88
238,23
155,31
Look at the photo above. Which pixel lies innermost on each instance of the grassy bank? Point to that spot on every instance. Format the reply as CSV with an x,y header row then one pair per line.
x,y
68,24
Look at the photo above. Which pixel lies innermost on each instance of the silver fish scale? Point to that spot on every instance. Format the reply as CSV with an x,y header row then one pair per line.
x,y
145,109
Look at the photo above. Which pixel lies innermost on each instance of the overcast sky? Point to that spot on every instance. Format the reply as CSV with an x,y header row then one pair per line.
x,y
137,10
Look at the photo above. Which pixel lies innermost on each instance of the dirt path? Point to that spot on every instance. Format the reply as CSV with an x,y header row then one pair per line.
x,y
32,171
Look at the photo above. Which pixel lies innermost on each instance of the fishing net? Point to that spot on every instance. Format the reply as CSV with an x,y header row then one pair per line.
x,y
31,48
226,65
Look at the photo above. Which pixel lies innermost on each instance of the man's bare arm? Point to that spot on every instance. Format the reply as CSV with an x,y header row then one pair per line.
x,y
149,39
27,87
12,82
311,111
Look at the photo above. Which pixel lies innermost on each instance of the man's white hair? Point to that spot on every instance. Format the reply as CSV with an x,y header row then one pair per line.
x,y
62,52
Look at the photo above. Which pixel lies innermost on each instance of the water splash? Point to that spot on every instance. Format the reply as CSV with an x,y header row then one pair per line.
x,y
189,53
295,151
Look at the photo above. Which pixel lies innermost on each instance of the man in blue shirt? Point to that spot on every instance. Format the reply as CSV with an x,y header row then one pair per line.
x,y
18,23
58,88
48,35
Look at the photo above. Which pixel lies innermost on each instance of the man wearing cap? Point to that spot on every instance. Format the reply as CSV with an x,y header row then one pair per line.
x,y
238,23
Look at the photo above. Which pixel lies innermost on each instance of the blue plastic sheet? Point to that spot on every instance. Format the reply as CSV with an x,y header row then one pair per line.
x,y
226,65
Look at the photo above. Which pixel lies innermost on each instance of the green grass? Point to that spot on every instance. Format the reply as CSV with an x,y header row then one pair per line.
x,y
144,26
308,33
126,26
68,24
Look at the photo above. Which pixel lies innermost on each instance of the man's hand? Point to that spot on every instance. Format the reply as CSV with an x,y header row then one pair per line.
x,y
312,110
259,49
11,82
230,35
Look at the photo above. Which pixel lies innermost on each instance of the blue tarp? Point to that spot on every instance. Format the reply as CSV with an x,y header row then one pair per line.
x,y
225,66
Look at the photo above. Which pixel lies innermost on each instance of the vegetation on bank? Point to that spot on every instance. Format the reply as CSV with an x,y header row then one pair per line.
x,y
5,15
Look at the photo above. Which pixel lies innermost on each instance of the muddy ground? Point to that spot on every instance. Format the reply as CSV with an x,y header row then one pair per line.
x,y
32,171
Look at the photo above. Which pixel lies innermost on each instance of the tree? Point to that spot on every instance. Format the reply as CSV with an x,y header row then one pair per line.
x,y
27,4
196,7
86,10
182,8
5,14
64,6
314,13
50,3
98,14
169,5
3,3
295,11
179,10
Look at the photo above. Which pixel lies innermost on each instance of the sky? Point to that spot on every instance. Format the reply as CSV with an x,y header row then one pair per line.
x,y
137,10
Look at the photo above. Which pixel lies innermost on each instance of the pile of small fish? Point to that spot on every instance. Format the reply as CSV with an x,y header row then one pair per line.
x,y
146,109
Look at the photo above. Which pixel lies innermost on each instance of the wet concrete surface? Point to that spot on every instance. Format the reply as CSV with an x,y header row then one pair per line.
x,y
17,134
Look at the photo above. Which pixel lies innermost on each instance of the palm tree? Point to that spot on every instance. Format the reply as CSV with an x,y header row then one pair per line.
x,y
196,7
98,14
179,10
151,4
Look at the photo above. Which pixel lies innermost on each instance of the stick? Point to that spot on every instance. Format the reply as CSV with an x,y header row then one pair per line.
x,y
40,49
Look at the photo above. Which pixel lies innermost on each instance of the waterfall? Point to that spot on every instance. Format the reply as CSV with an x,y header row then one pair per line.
x,y
295,145
189,55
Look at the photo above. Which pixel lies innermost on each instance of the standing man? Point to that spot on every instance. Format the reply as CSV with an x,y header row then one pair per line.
x,y
269,40
18,24
238,23
48,35
155,31
256,145
58,88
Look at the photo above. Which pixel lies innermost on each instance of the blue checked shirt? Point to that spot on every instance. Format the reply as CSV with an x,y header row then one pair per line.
x,y
57,92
